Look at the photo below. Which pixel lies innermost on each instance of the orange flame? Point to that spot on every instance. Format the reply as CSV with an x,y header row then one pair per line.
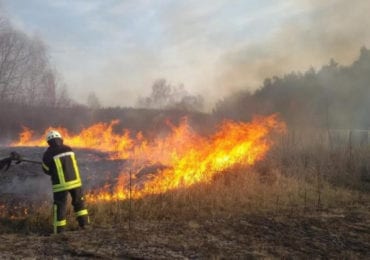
x,y
99,136
187,157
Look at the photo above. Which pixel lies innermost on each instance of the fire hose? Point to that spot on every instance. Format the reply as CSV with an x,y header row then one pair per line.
x,y
5,163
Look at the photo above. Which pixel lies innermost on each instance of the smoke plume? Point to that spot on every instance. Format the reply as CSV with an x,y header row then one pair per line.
x,y
329,29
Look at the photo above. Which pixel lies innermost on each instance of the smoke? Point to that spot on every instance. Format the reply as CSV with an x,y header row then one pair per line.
x,y
319,31
118,49
35,188
27,180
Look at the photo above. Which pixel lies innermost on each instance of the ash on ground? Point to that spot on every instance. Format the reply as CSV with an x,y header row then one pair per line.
x,y
27,181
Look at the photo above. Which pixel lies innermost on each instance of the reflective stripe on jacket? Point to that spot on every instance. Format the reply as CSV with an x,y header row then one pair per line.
x,y
68,175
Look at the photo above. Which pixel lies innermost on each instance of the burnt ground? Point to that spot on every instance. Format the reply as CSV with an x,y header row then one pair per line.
x,y
338,233
28,179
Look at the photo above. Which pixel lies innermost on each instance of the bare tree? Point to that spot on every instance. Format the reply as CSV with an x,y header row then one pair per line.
x,y
39,83
165,96
160,96
26,76
13,57
62,97
93,101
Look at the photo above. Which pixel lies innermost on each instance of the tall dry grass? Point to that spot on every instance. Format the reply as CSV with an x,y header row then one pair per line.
x,y
238,191
298,176
304,172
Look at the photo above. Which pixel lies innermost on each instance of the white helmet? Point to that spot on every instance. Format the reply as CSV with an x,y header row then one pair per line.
x,y
53,134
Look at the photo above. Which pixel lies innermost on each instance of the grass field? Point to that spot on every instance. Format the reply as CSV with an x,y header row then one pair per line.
x,y
300,201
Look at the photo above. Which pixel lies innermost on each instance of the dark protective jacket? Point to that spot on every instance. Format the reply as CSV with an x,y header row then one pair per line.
x,y
60,163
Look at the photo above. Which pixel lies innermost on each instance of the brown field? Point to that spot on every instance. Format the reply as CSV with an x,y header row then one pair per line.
x,y
303,200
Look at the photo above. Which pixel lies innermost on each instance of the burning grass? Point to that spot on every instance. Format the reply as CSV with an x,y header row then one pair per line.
x,y
188,157
289,204
234,172
239,192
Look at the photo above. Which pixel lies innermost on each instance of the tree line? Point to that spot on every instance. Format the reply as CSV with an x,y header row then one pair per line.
x,y
333,96
31,94
26,75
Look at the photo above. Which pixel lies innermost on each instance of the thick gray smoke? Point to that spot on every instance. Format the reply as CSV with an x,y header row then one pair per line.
x,y
329,29
332,97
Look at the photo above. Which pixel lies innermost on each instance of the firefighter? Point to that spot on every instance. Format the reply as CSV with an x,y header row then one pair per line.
x,y
59,162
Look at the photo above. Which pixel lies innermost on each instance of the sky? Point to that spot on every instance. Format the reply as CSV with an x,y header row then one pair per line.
x,y
117,49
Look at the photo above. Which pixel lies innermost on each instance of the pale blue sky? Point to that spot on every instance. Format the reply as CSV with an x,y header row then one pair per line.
x,y
118,48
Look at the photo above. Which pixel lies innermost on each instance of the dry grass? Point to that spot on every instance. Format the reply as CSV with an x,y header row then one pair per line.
x,y
293,179
242,191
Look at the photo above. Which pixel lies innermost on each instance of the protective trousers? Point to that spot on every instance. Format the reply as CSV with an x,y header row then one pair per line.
x,y
60,207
